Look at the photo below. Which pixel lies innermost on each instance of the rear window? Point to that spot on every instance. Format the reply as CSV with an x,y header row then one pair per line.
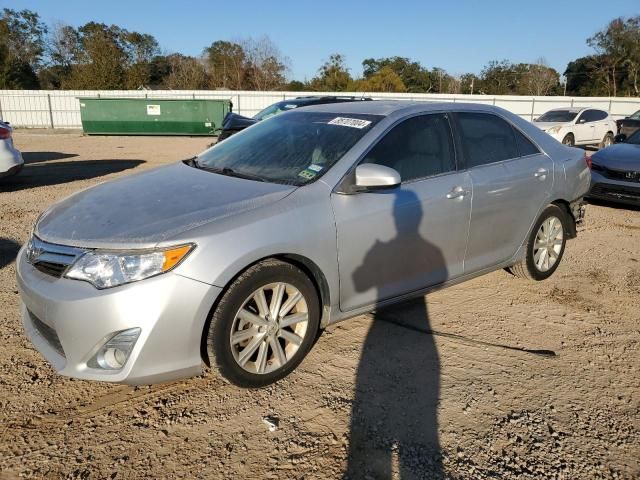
x,y
485,138
525,146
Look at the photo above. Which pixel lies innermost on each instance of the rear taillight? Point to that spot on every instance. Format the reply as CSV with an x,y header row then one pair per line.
x,y
587,160
4,133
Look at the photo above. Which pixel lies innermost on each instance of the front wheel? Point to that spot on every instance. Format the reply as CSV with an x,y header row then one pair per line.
x,y
264,325
545,246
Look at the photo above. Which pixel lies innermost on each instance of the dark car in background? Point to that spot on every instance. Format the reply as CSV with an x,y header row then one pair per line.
x,y
629,125
233,122
615,171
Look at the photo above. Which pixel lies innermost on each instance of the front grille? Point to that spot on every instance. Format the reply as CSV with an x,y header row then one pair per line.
x,y
619,192
620,175
48,333
50,258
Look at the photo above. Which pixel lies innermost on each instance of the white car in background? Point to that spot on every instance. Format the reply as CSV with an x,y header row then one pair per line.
x,y
578,126
10,157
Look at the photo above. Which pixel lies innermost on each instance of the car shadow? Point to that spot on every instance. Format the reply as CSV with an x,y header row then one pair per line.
x,y
8,251
394,425
36,157
46,174
617,206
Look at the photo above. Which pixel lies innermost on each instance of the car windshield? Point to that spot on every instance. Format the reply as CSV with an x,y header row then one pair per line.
x,y
274,109
558,116
635,116
634,139
292,149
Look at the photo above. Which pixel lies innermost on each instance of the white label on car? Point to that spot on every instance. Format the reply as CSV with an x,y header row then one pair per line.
x,y
315,168
350,122
153,109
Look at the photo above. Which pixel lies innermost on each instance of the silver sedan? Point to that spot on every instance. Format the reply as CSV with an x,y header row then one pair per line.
x,y
240,256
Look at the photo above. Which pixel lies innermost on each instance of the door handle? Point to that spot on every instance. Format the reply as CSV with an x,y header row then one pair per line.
x,y
541,173
457,192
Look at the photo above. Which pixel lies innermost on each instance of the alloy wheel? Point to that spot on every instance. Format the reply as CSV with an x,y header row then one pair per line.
x,y
269,328
548,244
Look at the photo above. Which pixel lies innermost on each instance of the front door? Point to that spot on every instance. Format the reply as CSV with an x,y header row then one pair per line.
x,y
398,241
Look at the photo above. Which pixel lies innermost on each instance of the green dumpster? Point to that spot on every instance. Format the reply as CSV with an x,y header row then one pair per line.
x,y
142,116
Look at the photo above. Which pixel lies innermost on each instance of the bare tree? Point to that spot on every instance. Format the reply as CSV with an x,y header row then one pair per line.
x,y
265,65
186,73
540,78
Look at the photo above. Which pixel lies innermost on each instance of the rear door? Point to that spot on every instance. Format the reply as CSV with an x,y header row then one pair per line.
x,y
601,124
511,181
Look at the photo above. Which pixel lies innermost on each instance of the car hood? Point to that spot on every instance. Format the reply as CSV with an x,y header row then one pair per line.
x,y
622,156
547,125
233,121
141,210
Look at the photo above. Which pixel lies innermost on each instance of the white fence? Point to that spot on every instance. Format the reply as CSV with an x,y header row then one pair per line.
x,y
61,109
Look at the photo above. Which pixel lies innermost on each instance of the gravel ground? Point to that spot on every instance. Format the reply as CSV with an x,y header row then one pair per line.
x,y
494,378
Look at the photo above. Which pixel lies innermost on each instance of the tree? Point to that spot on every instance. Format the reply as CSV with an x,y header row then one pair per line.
x,y
384,80
333,75
265,66
414,76
24,35
186,73
226,62
618,50
539,78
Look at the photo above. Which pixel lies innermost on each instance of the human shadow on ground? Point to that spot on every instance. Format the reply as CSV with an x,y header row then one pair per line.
x,y
394,425
56,173
8,251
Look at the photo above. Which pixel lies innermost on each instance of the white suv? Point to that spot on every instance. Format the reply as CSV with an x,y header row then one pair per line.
x,y
10,158
578,126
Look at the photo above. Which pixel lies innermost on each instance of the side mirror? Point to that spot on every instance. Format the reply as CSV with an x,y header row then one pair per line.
x,y
620,138
582,120
535,119
370,176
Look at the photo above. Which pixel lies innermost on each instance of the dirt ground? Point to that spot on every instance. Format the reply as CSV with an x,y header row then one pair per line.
x,y
494,378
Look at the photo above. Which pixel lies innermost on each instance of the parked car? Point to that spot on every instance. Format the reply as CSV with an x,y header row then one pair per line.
x,y
629,125
578,126
615,174
240,255
233,122
10,157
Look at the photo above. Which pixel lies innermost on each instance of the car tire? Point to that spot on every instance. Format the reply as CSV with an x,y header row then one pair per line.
x,y
569,140
607,140
248,340
538,263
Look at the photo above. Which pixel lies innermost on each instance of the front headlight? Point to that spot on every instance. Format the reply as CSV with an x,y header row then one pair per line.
x,y
555,129
106,269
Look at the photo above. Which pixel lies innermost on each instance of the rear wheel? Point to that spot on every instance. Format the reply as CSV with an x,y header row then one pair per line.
x,y
569,140
545,246
607,140
264,325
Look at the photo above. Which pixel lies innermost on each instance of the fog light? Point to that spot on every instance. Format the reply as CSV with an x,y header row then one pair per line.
x,y
114,354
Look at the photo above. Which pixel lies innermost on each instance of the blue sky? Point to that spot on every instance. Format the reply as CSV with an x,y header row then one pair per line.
x,y
457,35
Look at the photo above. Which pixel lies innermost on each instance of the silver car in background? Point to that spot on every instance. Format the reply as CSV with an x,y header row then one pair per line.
x,y
238,257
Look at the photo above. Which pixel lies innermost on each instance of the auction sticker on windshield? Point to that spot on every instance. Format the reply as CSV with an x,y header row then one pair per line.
x,y
350,122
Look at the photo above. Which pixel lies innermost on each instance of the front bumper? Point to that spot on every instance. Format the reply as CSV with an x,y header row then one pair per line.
x,y
614,190
69,320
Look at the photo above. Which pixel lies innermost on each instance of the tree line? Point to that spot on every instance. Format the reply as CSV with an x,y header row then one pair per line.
x,y
97,56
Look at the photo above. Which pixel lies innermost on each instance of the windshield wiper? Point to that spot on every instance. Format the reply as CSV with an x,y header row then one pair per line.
x,y
232,173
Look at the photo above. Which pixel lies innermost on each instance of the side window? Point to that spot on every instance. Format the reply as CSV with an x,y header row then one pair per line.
x,y
599,115
588,116
418,147
486,138
524,144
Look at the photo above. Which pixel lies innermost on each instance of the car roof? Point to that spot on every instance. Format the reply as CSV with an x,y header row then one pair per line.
x,y
310,100
388,107
575,109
